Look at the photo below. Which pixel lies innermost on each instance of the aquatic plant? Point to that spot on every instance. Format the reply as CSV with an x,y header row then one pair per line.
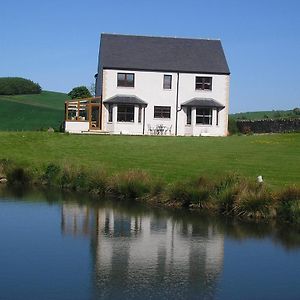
x,y
129,185
289,204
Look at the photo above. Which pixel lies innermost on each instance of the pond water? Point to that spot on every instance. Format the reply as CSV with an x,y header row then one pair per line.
x,y
60,247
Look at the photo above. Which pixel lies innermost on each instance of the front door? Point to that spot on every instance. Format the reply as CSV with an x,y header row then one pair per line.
x,y
95,117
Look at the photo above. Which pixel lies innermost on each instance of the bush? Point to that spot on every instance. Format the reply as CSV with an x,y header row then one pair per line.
x,y
232,126
289,204
51,174
18,176
80,92
296,111
18,86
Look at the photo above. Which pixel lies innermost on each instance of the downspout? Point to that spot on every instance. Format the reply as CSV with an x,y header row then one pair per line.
x,y
144,120
176,118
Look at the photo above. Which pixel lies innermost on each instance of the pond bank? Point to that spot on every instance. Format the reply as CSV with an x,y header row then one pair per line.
x,y
230,194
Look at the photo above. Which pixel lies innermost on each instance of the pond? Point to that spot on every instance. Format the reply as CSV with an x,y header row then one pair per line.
x,y
56,246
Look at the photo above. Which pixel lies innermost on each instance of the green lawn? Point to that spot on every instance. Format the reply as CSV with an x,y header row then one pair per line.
x,y
32,112
276,156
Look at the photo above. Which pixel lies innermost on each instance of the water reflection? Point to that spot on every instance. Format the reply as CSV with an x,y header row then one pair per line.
x,y
147,255
137,252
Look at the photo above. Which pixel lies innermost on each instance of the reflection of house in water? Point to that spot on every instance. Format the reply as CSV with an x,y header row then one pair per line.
x,y
76,220
143,256
147,254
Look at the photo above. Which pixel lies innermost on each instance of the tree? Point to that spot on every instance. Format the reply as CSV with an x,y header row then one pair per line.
x,y
296,111
80,92
92,89
18,86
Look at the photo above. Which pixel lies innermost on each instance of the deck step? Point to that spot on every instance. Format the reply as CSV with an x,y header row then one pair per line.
x,y
95,132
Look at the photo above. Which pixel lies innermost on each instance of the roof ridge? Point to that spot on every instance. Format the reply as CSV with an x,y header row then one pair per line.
x,y
162,37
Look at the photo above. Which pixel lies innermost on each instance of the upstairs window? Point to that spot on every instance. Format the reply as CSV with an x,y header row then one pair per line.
x,y
203,83
162,112
125,79
167,82
204,116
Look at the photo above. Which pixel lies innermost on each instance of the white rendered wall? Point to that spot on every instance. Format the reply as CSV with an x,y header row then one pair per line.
x,y
149,87
219,92
124,127
76,127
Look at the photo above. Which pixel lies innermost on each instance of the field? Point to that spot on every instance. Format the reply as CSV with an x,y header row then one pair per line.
x,y
258,115
32,112
276,156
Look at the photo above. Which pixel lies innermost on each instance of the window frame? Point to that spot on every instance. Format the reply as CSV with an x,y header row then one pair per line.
x,y
165,86
162,112
204,115
203,83
125,113
125,82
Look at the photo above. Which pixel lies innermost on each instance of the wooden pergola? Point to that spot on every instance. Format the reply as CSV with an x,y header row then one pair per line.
x,y
84,110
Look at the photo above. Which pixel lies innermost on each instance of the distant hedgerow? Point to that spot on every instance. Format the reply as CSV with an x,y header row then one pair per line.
x,y
18,86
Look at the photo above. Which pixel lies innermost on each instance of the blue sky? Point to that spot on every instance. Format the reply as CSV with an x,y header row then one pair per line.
x,y
56,42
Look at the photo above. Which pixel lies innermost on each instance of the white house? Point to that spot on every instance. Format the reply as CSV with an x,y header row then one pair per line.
x,y
156,85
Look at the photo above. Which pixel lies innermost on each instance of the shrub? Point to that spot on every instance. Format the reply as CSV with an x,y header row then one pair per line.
x,y
289,204
80,92
51,174
232,126
18,176
18,86
296,111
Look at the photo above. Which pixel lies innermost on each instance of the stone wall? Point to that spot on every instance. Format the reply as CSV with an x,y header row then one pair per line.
x,y
268,125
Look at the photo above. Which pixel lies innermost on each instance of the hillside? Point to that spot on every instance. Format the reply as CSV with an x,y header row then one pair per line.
x,y
32,112
258,115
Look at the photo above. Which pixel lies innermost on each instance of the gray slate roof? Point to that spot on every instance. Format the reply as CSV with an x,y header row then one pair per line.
x,y
203,102
125,99
166,54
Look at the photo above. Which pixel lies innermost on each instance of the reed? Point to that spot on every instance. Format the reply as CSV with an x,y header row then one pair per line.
x,y
230,194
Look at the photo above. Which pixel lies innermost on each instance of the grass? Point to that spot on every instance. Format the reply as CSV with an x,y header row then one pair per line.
x,y
231,195
169,159
32,112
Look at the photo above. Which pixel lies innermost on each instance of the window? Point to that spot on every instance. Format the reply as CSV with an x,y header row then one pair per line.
x,y
204,116
126,79
203,83
167,82
125,113
140,114
163,112
188,115
110,113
